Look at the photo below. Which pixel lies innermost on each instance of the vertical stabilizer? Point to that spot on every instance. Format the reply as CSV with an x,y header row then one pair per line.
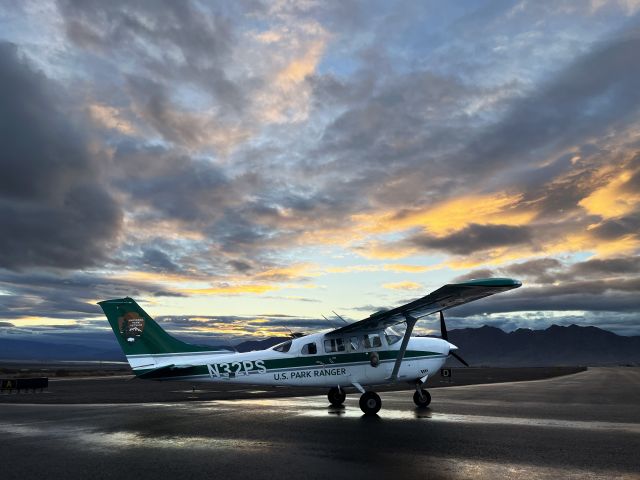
x,y
143,341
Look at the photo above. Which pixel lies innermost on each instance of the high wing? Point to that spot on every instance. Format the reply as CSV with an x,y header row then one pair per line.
x,y
446,297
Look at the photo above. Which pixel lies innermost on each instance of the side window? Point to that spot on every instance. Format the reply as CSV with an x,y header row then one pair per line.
x,y
283,347
334,345
309,349
372,340
354,343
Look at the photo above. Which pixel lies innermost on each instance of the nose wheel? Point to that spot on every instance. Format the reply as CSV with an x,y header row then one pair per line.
x,y
421,398
336,396
370,403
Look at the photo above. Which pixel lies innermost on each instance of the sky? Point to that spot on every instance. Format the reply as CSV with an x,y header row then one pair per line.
x,y
243,168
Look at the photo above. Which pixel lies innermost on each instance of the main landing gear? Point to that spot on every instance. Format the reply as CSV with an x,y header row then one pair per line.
x,y
370,403
336,396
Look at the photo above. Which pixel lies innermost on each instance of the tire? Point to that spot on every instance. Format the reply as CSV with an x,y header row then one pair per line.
x,y
336,397
370,403
424,401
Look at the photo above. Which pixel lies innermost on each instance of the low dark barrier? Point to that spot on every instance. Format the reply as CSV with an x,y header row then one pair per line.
x,y
10,384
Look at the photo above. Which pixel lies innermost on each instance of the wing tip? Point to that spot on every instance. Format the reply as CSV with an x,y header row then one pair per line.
x,y
492,282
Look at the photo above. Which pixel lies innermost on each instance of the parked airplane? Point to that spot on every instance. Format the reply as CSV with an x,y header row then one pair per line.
x,y
361,354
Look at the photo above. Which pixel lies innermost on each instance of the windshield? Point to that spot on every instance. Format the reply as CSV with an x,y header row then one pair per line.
x,y
283,347
392,336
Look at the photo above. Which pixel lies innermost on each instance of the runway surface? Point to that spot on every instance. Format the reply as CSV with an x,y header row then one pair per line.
x,y
579,426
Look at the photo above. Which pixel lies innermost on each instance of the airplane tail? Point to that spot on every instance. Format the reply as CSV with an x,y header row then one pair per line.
x,y
145,344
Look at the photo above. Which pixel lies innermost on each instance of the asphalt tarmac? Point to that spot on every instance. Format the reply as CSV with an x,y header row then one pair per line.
x,y
585,425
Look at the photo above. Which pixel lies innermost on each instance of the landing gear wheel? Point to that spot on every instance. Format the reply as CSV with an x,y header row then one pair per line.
x,y
370,403
423,401
336,396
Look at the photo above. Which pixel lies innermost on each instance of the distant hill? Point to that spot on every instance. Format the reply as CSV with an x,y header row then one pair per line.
x,y
18,349
484,346
572,345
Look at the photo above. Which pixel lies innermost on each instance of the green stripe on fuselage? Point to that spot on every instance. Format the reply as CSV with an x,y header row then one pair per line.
x,y
311,361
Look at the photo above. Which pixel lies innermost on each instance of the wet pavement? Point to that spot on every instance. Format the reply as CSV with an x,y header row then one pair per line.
x,y
585,425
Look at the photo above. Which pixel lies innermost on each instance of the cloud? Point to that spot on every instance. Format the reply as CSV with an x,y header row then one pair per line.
x,y
192,129
597,267
171,41
244,148
475,274
54,208
534,268
406,285
158,260
474,238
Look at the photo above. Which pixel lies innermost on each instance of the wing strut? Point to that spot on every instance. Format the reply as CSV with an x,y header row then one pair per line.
x,y
411,322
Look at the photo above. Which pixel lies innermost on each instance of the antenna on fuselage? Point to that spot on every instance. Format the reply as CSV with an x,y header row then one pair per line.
x,y
294,335
330,322
340,317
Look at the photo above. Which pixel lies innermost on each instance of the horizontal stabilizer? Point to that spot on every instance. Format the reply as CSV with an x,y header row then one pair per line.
x,y
164,371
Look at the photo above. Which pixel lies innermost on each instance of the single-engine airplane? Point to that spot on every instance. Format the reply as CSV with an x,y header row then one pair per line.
x,y
361,354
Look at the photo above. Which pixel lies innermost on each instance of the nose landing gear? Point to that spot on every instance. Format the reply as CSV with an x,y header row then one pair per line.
x,y
421,397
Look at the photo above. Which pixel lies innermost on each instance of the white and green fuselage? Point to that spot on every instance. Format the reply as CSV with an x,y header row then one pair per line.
x,y
320,359
357,363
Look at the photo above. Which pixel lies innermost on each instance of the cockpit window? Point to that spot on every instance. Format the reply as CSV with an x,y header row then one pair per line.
x,y
283,347
309,349
392,336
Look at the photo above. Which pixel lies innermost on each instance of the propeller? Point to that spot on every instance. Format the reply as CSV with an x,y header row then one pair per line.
x,y
459,358
443,327
445,336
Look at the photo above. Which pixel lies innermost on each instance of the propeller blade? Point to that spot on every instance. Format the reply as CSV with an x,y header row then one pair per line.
x,y
443,327
460,359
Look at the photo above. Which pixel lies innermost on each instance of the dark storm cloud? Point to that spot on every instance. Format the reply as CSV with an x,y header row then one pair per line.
x,y
474,274
615,295
473,238
614,228
66,297
53,208
533,268
540,270
606,267
176,185
158,260
551,270
240,266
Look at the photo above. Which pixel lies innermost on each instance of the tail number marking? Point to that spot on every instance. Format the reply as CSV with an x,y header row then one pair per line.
x,y
218,370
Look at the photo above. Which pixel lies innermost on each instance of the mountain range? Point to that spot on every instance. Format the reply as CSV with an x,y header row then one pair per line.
x,y
484,346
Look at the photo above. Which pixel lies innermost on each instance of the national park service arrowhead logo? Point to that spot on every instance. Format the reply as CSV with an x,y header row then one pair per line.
x,y
131,326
